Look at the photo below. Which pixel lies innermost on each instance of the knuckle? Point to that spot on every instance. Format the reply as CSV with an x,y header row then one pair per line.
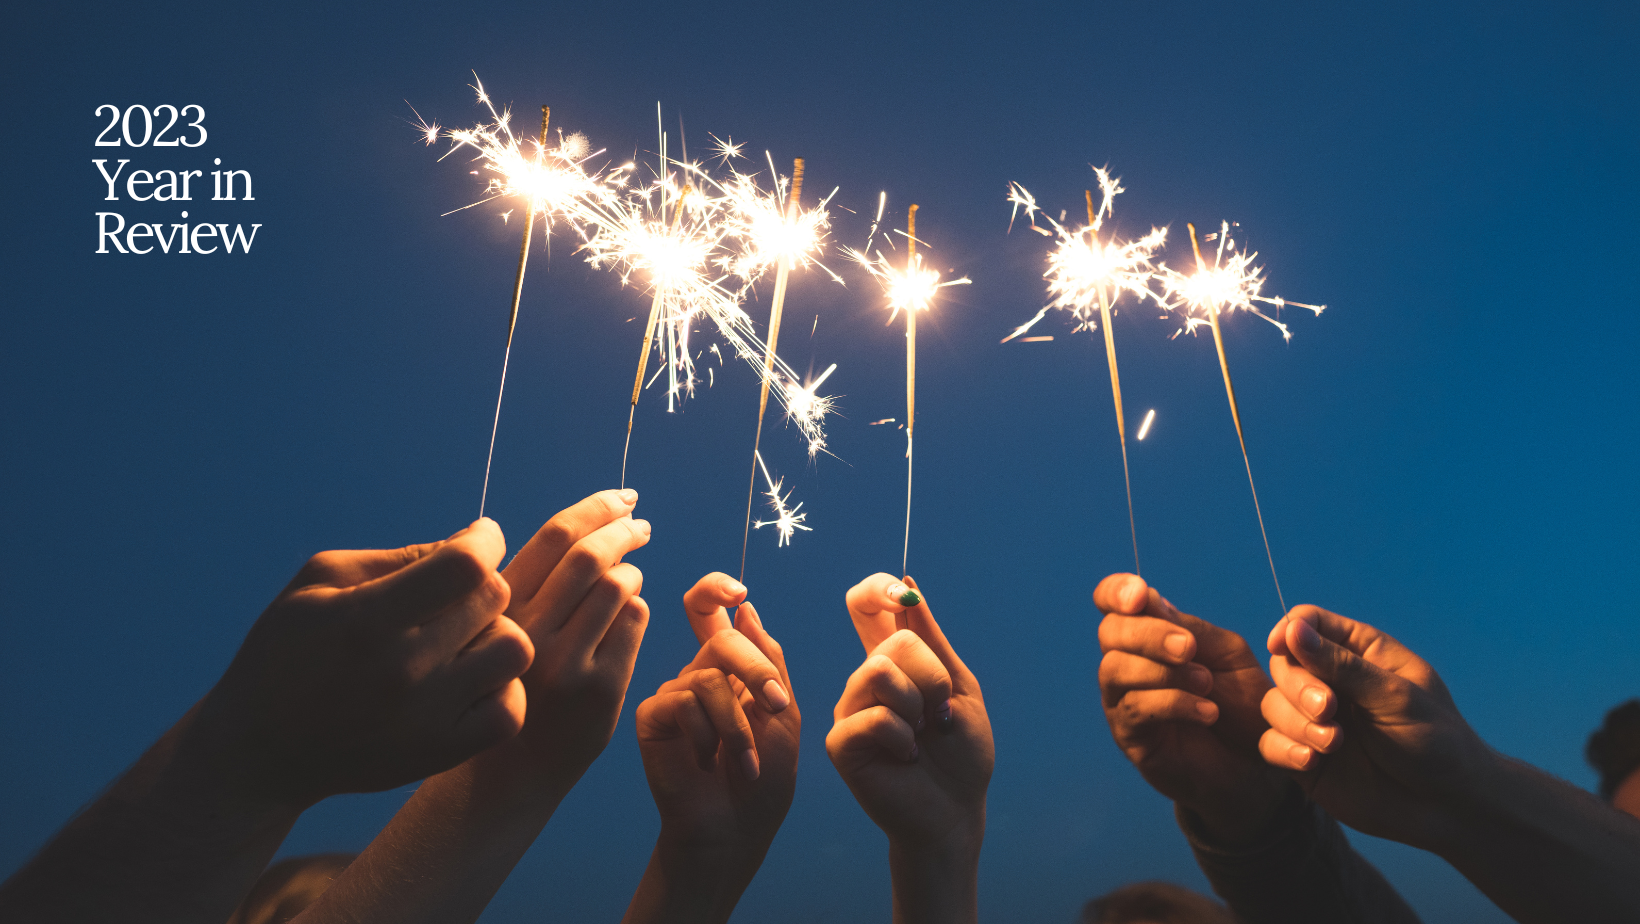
x,y
465,565
556,531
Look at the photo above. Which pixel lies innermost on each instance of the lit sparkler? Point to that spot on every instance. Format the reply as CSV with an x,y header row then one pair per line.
x,y
910,288
785,521
1084,272
1230,282
552,183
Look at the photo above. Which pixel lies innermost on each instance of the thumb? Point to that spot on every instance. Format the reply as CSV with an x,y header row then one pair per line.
x,y
1333,648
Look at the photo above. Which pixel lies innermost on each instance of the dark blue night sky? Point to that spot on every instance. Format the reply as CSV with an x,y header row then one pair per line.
x,y
1448,452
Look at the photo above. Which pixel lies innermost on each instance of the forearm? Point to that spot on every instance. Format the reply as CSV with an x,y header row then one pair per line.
x,y
938,883
691,883
446,853
1296,868
1544,850
168,842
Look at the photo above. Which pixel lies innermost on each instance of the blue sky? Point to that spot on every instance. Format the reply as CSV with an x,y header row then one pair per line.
x,y
1446,452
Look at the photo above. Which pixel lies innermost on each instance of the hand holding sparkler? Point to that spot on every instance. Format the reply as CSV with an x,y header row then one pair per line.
x,y
912,740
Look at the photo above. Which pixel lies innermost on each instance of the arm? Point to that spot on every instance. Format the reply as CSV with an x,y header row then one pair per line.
x,y
1402,763
1182,697
721,762
912,740
370,670
444,855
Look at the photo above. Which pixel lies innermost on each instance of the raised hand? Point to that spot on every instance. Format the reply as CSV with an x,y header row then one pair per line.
x,y
719,747
1182,697
912,740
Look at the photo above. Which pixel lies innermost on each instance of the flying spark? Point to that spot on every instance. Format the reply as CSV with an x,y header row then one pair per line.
x,y
786,521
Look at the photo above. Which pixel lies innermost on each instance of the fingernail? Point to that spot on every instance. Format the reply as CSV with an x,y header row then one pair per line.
x,y
776,695
748,764
942,717
1201,679
1298,754
1314,700
922,723
1177,644
1309,641
1208,711
641,526
914,752
733,587
1321,736
628,496
903,595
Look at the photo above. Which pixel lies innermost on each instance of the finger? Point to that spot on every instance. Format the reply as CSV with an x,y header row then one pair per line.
x,y
876,612
880,682
711,687
1301,688
1278,750
494,718
1124,594
580,568
1284,717
1344,670
530,567
678,713
1120,672
1147,637
920,619
912,655
1140,711
500,654
704,604
422,589
861,737
750,624
442,637
586,627
733,653
619,649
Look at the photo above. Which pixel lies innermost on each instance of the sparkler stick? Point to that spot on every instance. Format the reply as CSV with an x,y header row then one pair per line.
x,y
768,366
1235,415
910,382
648,338
1116,394
512,320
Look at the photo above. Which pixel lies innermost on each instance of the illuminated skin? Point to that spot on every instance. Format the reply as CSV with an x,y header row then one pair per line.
x,y
911,738
1371,733
719,747
369,671
1627,797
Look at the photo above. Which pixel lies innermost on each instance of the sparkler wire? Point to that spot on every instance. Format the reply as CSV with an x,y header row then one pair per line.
x,y
910,382
1116,394
768,359
1235,415
512,322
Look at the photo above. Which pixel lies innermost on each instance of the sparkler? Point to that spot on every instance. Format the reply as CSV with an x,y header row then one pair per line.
x,y
1083,271
1226,285
911,289
785,520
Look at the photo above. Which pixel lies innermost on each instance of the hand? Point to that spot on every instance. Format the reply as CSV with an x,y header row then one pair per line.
x,y
1182,698
721,760
372,669
1396,756
912,740
579,603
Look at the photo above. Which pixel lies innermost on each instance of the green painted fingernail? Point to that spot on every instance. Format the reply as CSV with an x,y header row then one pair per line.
x,y
910,598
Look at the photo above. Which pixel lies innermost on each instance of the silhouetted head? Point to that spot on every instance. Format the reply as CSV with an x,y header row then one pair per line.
x,y
1614,750
288,887
1155,903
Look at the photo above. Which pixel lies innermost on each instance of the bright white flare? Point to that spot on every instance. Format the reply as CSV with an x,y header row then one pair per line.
x,y
786,521
1229,282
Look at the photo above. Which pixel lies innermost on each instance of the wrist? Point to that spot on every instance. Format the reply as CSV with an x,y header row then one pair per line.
x,y
937,879
1248,816
693,879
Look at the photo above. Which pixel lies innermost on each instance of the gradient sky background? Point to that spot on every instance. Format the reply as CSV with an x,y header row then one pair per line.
x,y
1447,452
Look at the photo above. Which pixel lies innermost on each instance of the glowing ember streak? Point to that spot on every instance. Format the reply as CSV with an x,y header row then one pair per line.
x,y
785,521
1144,428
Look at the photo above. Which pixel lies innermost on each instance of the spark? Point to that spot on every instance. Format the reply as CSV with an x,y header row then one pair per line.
x,y
1144,428
804,407
786,521
878,423
1230,282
